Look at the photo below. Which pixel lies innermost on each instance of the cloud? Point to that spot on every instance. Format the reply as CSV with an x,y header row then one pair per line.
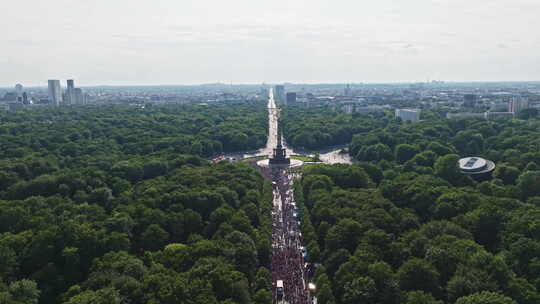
x,y
316,39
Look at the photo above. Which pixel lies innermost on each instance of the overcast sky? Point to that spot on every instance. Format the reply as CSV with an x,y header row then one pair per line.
x,y
251,41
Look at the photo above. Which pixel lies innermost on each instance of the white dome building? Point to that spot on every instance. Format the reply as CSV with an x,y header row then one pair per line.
x,y
475,165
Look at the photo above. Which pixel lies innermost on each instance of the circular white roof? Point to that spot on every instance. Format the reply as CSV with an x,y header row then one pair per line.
x,y
472,163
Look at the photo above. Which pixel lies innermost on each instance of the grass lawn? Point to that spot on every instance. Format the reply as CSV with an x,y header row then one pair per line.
x,y
254,158
307,166
303,158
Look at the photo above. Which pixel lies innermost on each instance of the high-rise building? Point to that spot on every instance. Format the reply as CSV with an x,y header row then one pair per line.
x,y
291,98
517,104
19,90
412,115
25,98
78,97
279,93
55,92
70,97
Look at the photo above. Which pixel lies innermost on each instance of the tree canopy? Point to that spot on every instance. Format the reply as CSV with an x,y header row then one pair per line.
x,y
115,205
409,227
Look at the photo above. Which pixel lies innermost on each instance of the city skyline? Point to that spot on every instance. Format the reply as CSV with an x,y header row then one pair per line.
x,y
186,42
44,84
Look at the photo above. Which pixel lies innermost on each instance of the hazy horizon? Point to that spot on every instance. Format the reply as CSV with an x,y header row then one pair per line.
x,y
397,83
244,42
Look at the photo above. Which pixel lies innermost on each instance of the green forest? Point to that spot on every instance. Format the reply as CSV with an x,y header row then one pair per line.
x,y
321,127
70,133
115,205
403,225
118,204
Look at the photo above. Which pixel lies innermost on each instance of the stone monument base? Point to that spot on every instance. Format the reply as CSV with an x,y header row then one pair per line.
x,y
265,163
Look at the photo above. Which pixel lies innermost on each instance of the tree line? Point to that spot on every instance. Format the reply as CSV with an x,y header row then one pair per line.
x,y
321,127
203,130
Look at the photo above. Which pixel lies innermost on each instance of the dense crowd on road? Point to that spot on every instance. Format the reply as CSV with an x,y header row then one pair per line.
x,y
288,262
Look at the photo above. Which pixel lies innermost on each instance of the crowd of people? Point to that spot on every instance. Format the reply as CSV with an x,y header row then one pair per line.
x,y
288,256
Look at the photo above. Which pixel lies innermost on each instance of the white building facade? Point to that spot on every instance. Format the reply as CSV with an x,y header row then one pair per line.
x,y
412,115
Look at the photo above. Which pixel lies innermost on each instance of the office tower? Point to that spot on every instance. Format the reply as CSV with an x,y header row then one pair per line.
x,y
55,92
291,98
412,115
469,100
25,98
78,97
279,95
518,104
70,98
19,89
